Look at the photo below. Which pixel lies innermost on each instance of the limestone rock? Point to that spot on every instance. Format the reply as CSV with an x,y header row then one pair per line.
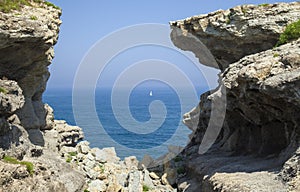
x,y
68,135
49,118
135,181
256,149
26,50
106,155
83,147
147,179
11,97
153,176
223,37
147,161
97,186
131,162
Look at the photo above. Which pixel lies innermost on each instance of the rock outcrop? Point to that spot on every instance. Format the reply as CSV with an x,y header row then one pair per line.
x,y
224,37
37,152
257,148
27,38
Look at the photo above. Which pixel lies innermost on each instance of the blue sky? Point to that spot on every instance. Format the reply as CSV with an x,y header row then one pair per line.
x,y
85,22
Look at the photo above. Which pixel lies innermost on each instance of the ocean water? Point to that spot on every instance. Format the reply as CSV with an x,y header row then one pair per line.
x,y
145,121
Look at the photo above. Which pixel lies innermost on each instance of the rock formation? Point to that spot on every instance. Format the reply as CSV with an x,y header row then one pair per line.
x,y
38,153
227,36
257,148
26,49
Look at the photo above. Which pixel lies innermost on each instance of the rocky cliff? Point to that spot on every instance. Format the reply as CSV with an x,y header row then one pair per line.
x,y
28,32
258,146
38,153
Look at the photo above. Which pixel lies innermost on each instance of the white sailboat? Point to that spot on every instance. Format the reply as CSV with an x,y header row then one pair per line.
x,y
151,93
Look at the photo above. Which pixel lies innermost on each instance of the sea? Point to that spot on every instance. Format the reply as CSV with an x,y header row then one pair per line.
x,y
144,121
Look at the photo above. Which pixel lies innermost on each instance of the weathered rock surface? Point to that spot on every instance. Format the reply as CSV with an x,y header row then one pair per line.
x,y
26,50
257,147
28,131
104,171
223,37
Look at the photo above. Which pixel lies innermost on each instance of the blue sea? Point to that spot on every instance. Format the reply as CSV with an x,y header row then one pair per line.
x,y
144,122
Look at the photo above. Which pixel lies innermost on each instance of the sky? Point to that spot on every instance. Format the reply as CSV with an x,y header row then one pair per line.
x,y
85,22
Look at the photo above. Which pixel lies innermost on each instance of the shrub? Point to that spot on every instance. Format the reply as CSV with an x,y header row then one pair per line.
x,y
264,5
146,188
177,159
51,5
292,32
7,6
69,159
33,17
102,168
3,90
181,170
72,153
29,165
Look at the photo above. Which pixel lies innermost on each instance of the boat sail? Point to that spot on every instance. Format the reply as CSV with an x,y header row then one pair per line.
x,y
151,93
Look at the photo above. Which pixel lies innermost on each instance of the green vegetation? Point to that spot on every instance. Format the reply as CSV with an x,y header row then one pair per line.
x,y
146,188
244,10
86,190
3,90
29,165
72,153
69,159
32,17
7,6
292,32
264,5
228,21
181,170
276,55
177,159
51,5
102,168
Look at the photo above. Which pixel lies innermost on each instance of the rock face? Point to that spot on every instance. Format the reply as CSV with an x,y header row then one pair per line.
x,y
47,155
26,49
223,37
27,38
257,148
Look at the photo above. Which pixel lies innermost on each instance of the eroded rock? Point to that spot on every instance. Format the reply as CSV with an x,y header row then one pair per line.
x,y
224,37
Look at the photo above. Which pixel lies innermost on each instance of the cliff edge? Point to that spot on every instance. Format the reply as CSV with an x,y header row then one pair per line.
x,y
258,146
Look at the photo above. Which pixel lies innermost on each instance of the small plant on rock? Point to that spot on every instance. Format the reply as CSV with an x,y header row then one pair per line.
x,y
180,170
7,6
292,32
29,165
146,188
264,5
101,168
72,153
32,17
51,5
177,159
3,90
69,159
